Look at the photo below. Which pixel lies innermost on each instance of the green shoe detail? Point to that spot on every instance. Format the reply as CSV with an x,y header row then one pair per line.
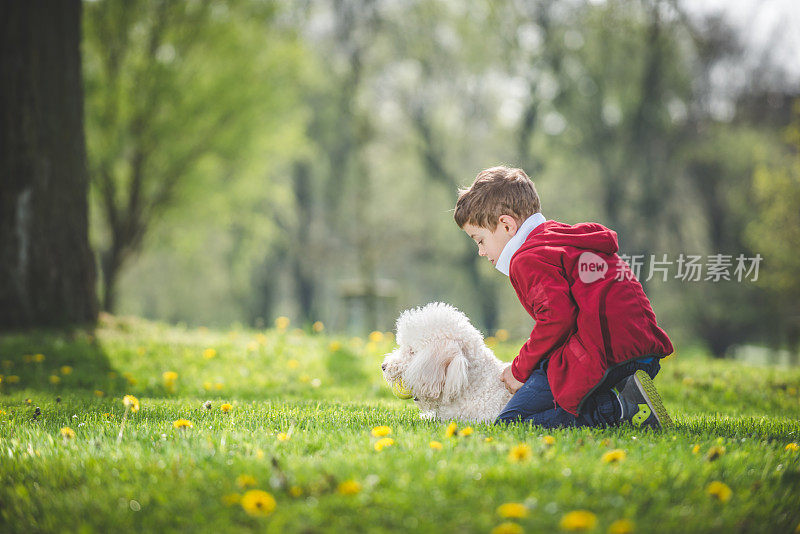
x,y
641,416
655,399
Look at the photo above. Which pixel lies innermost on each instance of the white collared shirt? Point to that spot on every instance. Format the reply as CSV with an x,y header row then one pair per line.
x,y
513,245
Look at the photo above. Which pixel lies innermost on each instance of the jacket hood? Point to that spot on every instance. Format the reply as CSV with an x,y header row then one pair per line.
x,y
590,236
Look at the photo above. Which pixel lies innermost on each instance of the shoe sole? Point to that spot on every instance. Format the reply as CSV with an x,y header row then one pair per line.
x,y
648,389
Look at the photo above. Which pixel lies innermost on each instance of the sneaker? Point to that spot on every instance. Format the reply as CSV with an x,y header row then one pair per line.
x,y
641,403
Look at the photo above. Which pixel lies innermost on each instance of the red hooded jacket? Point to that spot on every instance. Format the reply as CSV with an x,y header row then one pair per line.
x,y
591,312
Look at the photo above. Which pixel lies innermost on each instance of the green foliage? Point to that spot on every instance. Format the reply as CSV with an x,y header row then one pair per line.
x,y
776,229
188,107
734,423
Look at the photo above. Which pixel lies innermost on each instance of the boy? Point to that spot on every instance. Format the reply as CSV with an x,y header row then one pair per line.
x,y
595,345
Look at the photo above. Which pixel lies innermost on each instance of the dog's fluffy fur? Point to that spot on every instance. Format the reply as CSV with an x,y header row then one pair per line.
x,y
443,360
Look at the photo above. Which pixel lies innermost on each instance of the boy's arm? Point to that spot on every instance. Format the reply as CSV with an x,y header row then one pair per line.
x,y
554,310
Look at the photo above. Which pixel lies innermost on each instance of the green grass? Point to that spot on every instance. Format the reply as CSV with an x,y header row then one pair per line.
x,y
328,398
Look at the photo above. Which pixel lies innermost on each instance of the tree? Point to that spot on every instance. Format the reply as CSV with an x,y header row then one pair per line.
x,y
47,271
173,88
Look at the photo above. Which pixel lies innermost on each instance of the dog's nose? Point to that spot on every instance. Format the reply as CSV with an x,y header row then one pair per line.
x,y
383,367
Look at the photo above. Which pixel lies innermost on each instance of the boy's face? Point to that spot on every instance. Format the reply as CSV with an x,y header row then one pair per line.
x,y
491,243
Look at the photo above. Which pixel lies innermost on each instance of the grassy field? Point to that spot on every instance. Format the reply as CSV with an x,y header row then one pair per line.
x,y
296,450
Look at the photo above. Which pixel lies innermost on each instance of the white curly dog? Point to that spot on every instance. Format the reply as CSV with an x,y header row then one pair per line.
x,y
445,364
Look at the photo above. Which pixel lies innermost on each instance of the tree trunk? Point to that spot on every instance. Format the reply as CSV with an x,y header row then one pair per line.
x,y
47,270
303,268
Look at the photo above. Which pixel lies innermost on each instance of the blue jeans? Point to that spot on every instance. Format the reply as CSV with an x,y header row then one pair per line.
x,y
534,402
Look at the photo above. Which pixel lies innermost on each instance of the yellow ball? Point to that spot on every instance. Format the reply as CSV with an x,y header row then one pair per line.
x,y
400,390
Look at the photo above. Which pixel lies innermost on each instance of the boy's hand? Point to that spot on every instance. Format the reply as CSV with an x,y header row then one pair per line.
x,y
512,384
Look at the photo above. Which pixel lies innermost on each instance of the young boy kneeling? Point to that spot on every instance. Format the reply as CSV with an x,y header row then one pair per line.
x,y
595,345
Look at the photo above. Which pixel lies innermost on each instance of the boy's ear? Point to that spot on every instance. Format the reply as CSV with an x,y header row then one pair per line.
x,y
508,224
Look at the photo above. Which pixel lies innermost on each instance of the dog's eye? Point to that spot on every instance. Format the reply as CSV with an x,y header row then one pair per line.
x,y
411,351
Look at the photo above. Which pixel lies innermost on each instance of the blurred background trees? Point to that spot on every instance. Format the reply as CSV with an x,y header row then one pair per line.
x,y
254,159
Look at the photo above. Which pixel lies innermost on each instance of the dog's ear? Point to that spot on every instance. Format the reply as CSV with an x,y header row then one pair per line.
x,y
439,369
456,374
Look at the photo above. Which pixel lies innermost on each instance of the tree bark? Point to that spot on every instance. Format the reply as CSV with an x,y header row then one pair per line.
x,y
47,269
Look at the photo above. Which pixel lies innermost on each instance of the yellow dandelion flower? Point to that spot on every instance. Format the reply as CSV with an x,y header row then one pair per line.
x,y
696,449
231,498
335,346
258,503
793,447
719,490
578,520
98,393
108,415
66,370
8,364
293,364
435,445
67,433
520,453
131,402
261,339
218,385
282,322
614,456
512,510
141,351
38,358
225,408
318,327
252,346
383,443
169,376
450,430
376,337
621,526
466,431
714,453
791,391
295,491
207,385
245,481
304,378
27,358
54,379
549,441
209,353
349,487
182,424
381,431
507,528
501,334
491,341
2,412
688,381
489,439
12,379
283,436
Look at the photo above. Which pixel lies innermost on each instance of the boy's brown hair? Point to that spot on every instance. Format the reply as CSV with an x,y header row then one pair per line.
x,y
496,191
